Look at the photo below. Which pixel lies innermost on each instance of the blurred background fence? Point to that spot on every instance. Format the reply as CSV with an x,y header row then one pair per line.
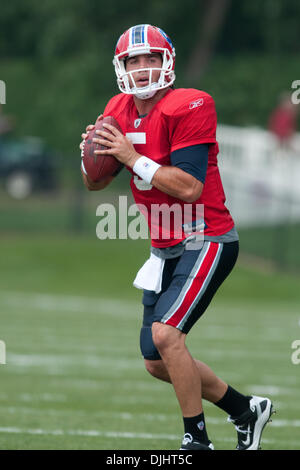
x,y
261,180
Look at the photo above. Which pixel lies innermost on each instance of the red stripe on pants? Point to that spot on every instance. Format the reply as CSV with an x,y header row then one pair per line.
x,y
196,285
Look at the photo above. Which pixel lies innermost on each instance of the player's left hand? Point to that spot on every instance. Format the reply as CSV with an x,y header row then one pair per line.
x,y
118,146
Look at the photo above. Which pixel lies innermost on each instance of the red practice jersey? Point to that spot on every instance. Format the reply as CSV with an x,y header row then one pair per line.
x,y
182,118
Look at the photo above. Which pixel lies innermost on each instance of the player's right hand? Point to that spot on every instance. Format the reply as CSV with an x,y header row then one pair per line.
x,y
90,127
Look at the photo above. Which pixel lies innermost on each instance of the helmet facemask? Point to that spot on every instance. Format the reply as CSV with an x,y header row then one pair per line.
x,y
166,78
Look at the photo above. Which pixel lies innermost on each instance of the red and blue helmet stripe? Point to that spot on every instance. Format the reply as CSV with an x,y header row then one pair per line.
x,y
144,35
138,34
166,37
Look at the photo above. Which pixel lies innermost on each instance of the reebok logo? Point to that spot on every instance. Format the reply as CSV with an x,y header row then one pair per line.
x,y
196,104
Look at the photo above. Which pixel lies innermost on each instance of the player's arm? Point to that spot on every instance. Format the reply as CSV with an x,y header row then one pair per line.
x,y
169,179
177,183
185,178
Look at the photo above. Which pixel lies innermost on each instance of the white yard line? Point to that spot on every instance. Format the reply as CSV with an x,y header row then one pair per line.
x,y
98,360
273,390
290,423
60,364
118,435
68,303
87,433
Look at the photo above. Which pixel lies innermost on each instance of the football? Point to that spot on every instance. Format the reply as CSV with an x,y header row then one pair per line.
x,y
98,166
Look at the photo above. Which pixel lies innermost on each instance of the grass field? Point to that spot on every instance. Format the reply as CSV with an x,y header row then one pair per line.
x,y
74,377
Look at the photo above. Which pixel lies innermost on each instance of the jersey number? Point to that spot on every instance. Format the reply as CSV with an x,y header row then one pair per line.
x,y
139,138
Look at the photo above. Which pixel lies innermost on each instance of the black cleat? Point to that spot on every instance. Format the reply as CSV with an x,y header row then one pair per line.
x,y
188,443
250,424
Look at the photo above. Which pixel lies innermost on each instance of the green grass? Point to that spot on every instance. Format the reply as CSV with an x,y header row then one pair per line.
x,y
74,377
278,244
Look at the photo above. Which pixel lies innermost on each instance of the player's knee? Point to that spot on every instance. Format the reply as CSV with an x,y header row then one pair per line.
x,y
165,337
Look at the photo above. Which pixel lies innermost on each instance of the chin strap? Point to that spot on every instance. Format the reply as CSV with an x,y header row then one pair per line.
x,y
145,95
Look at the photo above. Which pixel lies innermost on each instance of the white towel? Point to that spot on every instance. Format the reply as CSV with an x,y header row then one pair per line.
x,y
149,277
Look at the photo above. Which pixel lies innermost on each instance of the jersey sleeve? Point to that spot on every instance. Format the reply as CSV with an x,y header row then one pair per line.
x,y
116,105
192,122
192,160
112,105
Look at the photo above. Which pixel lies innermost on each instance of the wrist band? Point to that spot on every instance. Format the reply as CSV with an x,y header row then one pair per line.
x,y
145,168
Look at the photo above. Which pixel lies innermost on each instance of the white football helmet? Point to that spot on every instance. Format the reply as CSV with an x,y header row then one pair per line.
x,y
144,39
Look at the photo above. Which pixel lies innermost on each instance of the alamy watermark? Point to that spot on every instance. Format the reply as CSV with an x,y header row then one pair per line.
x,y
165,222
2,352
2,92
296,94
295,357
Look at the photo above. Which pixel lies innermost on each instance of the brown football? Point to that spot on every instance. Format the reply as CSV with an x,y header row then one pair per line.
x,y
100,166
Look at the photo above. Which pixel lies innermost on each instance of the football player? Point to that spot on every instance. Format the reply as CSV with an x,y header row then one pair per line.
x,y
169,146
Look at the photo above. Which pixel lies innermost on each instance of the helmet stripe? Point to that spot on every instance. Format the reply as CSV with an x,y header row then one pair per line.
x,y
165,36
146,33
138,34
